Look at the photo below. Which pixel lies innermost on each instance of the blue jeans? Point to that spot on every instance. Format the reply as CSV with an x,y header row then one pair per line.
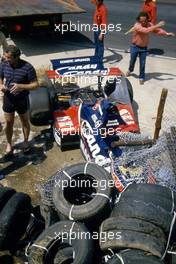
x,y
99,46
142,52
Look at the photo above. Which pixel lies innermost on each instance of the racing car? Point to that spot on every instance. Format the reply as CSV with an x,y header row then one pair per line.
x,y
76,112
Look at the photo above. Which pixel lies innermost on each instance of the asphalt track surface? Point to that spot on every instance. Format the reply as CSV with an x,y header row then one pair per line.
x,y
124,12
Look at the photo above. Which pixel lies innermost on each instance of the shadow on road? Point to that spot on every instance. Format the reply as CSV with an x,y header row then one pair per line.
x,y
160,76
52,43
37,154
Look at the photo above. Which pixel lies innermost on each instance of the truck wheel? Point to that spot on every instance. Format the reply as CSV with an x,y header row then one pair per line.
x,y
147,212
59,235
5,194
82,193
14,219
130,89
40,111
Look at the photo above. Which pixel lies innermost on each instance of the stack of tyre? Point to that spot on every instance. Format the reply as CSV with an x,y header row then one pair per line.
x,y
86,225
15,211
143,218
81,209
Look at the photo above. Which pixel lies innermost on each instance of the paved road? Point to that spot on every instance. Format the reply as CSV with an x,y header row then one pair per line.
x,y
125,12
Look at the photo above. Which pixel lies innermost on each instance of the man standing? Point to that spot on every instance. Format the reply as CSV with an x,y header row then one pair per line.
x,y
140,40
17,77
150,8
100,23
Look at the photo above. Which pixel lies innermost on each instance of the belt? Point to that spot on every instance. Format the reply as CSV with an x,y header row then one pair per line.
x,y
140,46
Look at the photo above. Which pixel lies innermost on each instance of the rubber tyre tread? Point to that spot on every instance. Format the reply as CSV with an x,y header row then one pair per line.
x,y
130,89
5,194
63,255
95,210
40,111
133,224
14,219
132,239
144,211
83,247
152,189
162,202
133,256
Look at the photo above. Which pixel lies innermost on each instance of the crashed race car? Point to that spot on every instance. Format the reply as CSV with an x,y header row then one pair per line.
x,y
87,116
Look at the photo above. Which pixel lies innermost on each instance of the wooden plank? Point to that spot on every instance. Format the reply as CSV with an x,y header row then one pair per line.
x,y
11,8
160,113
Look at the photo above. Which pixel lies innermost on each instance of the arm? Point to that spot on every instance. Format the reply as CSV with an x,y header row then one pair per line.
x,y
32,82
2,87
162,32
146,30
103,24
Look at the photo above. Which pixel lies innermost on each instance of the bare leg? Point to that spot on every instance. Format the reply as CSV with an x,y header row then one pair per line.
x,y
26,127
9,119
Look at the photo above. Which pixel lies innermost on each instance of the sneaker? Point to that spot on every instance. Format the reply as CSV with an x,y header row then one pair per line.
x,y
141,81
128,73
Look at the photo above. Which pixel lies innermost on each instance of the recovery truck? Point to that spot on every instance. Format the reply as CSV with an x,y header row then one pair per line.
x,y
23,16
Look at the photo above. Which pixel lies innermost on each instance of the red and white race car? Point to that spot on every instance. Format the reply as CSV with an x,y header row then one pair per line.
x,y
70,108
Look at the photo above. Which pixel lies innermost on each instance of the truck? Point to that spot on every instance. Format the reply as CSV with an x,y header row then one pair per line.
x,y
23,16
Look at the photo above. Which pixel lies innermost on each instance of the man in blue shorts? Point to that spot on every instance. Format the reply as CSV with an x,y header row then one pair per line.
x,y
17,77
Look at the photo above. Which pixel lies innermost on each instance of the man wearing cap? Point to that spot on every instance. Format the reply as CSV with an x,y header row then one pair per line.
x,y
100,23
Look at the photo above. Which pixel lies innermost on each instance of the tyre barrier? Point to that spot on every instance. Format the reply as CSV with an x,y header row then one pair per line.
x,y
66,234
87,200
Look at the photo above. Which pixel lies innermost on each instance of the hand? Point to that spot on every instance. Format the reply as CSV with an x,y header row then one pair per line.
x,y
101,37
161,23
15,88
170,34
2,88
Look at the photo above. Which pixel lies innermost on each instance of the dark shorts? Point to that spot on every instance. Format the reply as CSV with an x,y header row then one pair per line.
x,y
13,104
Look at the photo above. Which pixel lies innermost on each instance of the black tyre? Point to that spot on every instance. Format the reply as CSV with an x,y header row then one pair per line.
x,y
152,189
64,255
5,194
40,111
49,214
133,224
14,219
84,198
45,248
133,256
164,203
144,211
130,89
119,239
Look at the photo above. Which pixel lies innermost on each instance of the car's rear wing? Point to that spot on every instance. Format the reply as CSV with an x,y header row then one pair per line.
x,y
80,66
54,74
